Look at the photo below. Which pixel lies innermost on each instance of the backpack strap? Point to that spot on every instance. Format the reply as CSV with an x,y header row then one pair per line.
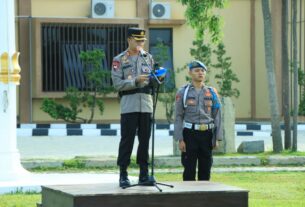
x,y
215,102
187,87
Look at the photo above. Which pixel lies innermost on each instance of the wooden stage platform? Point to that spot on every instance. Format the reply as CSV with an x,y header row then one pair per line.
x,y
184,194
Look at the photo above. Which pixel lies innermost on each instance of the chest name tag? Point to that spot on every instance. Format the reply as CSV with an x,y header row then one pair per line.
x,y
145,69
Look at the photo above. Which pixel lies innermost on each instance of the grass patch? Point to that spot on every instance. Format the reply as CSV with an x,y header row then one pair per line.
x,y
19,200
74,163
74,169
280,189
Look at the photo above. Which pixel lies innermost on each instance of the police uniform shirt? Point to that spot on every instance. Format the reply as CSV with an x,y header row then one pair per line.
x,y
125,69
198,110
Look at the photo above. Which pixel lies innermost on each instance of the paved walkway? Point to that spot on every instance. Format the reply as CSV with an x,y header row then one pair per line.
x,y
32,182
67,147
70,146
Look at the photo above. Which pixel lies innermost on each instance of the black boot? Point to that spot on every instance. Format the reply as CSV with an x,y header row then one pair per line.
x,y
143,177
124,181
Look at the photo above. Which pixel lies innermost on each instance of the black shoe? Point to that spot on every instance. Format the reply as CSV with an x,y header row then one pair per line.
x,y
143,177
124,182
147,181
143,180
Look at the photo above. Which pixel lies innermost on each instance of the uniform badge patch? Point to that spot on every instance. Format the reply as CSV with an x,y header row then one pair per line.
x,y
115,65
178,97
207,93
125,59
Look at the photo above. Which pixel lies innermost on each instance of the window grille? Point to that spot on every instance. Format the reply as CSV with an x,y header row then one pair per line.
x,y
62,44
164,36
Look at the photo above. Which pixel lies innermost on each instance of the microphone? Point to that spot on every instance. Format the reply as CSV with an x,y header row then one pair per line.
x,y
158,73
156,66
141,51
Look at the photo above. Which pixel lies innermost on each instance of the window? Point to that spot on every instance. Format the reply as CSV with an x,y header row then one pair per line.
x,y
62,43
161,47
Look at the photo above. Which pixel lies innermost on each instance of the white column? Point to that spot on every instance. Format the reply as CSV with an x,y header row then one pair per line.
x,y
10,166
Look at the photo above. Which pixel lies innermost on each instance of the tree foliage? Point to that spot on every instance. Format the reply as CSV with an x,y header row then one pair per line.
x,y
301,81
201,16
97,81
168,89
226,77
201,52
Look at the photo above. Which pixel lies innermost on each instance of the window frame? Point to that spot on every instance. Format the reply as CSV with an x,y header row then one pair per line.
x,y
37,48
171,47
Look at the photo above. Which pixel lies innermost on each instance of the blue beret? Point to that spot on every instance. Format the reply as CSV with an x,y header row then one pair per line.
x,y
197,64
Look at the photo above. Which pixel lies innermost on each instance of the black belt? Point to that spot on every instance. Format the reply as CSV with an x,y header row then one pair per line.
x,y
146,90
199,127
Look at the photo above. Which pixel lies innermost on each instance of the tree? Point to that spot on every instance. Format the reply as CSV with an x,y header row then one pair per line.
x,y
96,79
168,88
200,16
295,77
201,52
273,100
285,71
226,77
301,76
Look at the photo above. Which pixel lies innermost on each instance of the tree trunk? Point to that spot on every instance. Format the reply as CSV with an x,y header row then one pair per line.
x,y
295,76
285,76
275,117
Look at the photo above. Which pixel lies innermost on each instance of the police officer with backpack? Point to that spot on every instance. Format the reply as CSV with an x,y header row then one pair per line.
x,y
130,75
197,123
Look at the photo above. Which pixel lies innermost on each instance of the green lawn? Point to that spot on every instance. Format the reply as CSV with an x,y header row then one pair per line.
x,y
283,189
19,200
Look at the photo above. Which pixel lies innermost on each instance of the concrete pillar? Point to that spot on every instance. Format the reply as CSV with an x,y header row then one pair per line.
x,y
227,145
10,166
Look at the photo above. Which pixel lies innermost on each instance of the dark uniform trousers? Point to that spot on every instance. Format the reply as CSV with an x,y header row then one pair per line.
x,y
198,148
130,124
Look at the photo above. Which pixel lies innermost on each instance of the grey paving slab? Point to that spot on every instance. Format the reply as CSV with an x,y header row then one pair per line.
x,y
70,146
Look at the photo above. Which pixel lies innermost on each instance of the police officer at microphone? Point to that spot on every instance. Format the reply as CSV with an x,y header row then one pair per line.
x,y
197,123
130,76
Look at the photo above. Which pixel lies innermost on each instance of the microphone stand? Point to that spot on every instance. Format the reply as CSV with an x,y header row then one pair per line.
x,y
151,179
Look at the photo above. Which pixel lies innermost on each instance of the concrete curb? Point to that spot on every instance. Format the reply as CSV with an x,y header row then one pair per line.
x,y
26,130
291,160
170,161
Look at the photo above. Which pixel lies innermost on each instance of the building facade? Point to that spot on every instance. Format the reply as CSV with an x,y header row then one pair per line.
x,y
51,33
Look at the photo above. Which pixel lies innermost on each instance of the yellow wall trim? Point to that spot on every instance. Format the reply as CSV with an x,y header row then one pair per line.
x,y
7,75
